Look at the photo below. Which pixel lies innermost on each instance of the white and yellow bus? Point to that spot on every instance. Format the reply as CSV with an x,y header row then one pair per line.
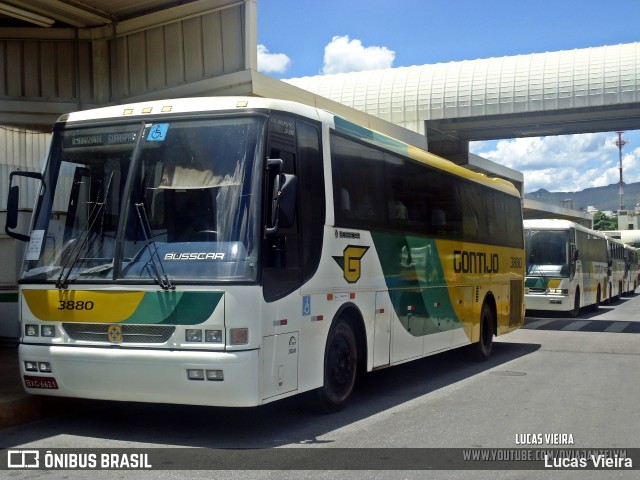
x,y
235,251
631,241
631,270
617,268
567,266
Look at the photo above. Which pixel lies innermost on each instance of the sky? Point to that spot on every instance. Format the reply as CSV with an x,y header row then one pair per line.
x,y
298,38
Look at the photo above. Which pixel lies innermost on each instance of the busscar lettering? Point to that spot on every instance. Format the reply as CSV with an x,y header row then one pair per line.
x,y
194,256
475,262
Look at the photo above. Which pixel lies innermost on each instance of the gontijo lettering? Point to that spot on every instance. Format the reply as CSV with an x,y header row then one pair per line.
x,y
475,262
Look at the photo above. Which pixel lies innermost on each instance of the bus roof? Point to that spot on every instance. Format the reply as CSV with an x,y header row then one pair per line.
x,y
180,106
559,224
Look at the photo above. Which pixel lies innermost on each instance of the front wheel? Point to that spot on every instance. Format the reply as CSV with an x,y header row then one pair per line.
x,y
576,305
340,366
482,350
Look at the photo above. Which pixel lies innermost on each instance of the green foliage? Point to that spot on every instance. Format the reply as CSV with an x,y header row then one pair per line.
x,y
602,222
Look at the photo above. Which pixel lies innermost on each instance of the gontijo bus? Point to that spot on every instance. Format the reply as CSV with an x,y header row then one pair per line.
x,y
235,251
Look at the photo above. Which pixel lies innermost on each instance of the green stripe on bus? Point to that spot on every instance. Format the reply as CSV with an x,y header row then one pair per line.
x,y
344,126
175,308
415,278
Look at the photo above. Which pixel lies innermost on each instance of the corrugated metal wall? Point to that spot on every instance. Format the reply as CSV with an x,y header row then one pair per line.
x,y
181,52
109,64
46,69
21,149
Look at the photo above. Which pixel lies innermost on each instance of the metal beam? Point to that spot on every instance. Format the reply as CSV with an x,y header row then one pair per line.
x,y
25,15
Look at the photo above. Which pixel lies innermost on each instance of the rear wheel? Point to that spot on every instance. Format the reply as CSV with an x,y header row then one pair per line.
x,y
340,366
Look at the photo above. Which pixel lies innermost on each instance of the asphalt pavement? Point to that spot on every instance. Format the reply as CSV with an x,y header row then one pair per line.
x,y
17,406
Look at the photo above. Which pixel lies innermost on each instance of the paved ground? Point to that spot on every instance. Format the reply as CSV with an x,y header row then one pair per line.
x,y
16,406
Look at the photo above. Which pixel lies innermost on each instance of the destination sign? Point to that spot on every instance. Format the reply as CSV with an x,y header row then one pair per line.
x,y
99,139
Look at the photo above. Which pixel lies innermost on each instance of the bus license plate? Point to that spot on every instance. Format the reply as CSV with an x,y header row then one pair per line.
x,y
40,382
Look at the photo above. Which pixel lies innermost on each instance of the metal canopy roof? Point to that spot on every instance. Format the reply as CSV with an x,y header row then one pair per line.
x,y
77,13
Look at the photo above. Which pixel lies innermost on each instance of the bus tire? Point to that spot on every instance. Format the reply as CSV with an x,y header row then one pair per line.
x,y
576,305
340,367
481,350
596,306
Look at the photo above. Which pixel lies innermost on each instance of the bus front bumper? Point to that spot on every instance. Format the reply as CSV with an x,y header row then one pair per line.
x,y
545,301
140,375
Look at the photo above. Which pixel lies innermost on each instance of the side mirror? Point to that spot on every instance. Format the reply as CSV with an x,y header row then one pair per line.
x,y
13,201
283,197
283,203
286,215
13,204
576,255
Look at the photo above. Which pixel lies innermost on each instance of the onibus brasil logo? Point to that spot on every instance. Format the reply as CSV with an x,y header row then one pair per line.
x,y
350,262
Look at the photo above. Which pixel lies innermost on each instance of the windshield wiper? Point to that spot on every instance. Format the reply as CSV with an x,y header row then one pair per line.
x,y
161,276
83,242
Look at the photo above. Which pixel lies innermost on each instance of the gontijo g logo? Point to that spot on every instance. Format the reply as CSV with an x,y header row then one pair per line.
x,y
350,262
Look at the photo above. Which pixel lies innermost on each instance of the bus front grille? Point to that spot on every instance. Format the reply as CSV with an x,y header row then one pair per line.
x,y
99,332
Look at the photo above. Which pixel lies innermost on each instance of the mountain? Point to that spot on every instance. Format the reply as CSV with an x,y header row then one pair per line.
x,y
603,198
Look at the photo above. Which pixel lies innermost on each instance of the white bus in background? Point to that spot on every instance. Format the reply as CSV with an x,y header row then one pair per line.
x,y
629,237
631,270
566,267
617,268
631,241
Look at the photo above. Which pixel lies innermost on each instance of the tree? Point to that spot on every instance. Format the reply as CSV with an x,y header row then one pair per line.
x,y
603,222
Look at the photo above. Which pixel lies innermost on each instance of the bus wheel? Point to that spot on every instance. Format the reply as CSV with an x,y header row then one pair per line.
x,y
576,305
482,350
340,366
598,300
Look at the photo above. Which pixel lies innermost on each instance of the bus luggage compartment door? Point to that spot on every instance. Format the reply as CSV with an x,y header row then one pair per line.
x,y
382,330
280,364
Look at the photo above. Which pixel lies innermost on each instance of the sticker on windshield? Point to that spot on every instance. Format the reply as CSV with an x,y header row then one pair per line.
x,y
158,132
35,245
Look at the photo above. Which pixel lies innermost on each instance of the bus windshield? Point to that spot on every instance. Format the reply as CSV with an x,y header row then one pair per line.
x,y
149,201
547,252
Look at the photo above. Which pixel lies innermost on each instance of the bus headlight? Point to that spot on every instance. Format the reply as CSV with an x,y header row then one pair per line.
x,y
558,291
213,336
30,366
193,335
195,374
31,330
48,331
215,375
44,367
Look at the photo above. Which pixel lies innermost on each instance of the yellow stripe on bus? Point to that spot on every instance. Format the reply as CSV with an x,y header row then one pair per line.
x,y
82,306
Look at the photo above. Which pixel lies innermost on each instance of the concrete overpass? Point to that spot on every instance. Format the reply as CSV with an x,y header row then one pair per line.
x,y
554,93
